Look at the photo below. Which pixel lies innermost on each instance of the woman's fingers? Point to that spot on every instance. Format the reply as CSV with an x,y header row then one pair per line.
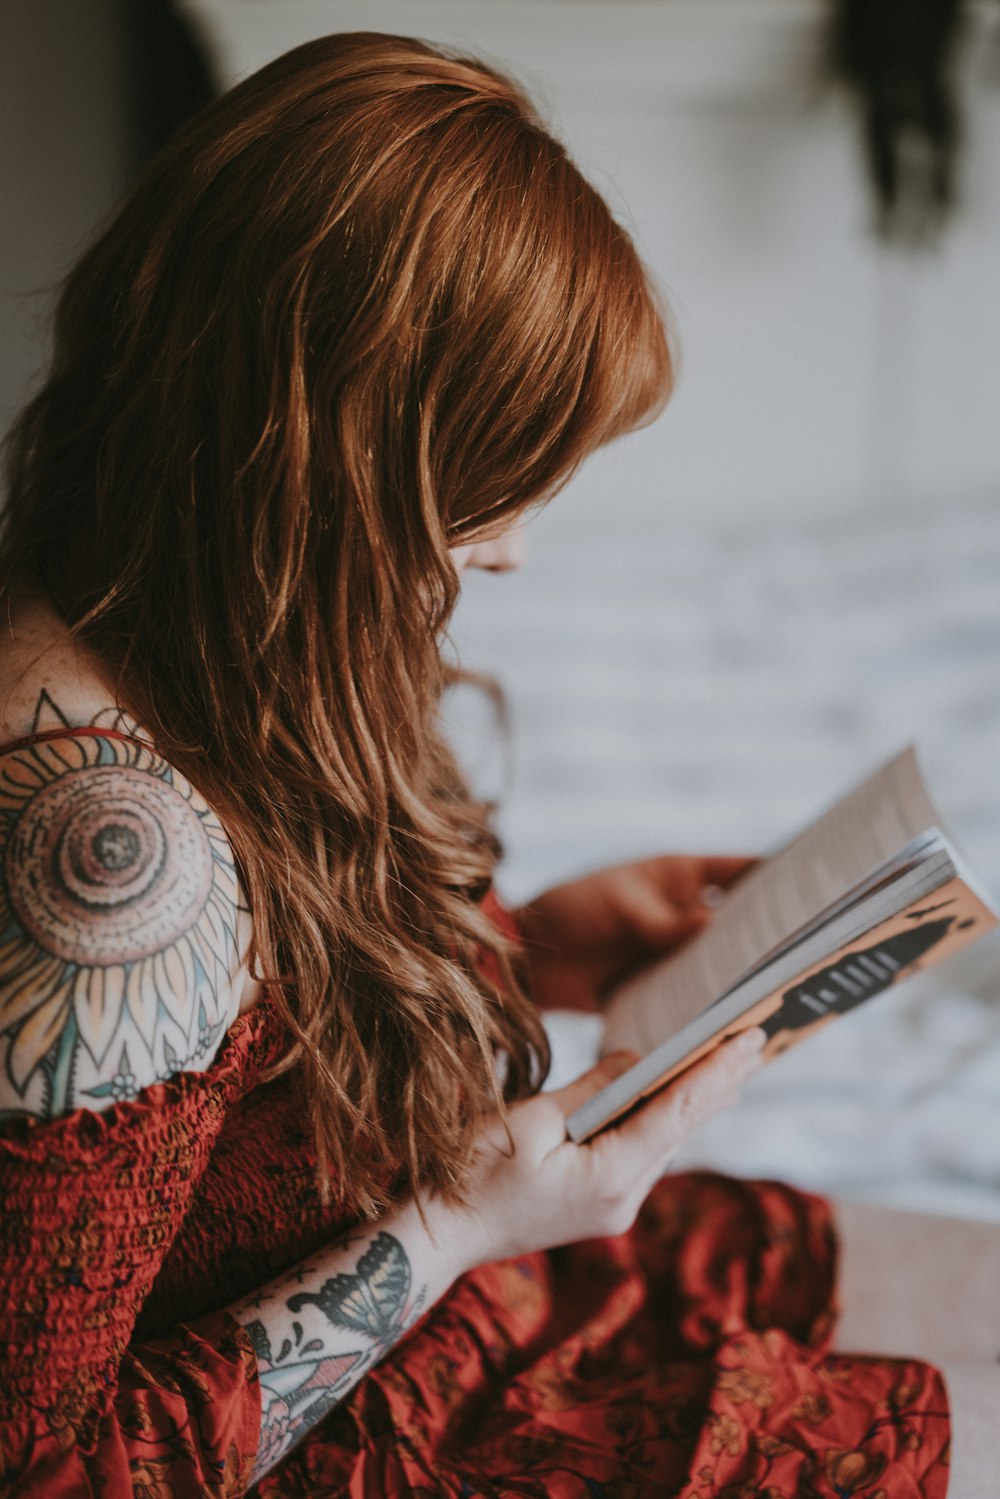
x,y
549,1190
723,869
657,917
581,1088
667,893
622,1164
662,1124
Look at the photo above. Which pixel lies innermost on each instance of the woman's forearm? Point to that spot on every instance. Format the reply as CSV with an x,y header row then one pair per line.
x,y
318,1328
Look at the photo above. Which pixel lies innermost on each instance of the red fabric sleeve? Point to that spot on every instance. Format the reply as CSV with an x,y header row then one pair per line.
x,y
90,1205
502,916
507,925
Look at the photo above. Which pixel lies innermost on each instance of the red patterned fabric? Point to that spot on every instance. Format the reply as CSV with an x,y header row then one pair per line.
x,y
689,1358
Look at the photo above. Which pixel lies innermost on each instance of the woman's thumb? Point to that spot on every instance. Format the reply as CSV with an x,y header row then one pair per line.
x,y
659,921
581,1088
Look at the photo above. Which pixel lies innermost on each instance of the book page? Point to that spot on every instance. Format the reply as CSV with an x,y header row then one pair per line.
x,y
866,828
829,984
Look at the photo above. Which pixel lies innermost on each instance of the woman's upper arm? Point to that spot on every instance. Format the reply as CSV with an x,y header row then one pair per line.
x,y
118,925
118,953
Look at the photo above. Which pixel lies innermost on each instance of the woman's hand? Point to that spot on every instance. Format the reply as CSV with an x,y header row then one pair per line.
x,y
582,939
551,1191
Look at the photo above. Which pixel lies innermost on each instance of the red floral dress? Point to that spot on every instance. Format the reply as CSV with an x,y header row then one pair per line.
x,y
689,1357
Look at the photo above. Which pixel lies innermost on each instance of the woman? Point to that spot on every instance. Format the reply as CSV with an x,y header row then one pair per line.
x,y
277,1194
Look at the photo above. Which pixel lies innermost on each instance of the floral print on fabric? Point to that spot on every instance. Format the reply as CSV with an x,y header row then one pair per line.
x,y
689,1358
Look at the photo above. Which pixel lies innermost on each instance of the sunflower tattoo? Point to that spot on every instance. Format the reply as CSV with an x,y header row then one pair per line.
x,y
118,922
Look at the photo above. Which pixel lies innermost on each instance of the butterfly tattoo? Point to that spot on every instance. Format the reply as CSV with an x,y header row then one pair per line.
x,y
373,1300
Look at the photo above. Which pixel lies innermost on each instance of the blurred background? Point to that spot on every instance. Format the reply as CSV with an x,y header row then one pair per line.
x,y
728,618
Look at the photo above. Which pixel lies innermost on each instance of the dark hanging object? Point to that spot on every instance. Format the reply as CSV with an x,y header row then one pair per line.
x,y
896,55
169,75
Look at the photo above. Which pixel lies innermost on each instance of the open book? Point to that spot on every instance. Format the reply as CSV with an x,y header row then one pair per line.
x,y
870,892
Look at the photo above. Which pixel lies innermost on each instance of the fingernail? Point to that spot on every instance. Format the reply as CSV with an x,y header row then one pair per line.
x,y
752,1042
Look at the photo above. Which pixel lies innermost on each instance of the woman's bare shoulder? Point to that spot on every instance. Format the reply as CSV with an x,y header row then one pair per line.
x,y
121,961
48,680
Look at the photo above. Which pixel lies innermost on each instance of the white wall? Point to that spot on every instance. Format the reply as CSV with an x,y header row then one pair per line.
x,y
821,372
63,160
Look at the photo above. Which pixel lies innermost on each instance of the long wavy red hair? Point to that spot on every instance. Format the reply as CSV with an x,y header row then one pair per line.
x,y
361,308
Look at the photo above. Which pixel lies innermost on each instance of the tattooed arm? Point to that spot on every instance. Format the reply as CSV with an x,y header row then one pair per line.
x,y
119,954
317,1329
119,957
118,924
